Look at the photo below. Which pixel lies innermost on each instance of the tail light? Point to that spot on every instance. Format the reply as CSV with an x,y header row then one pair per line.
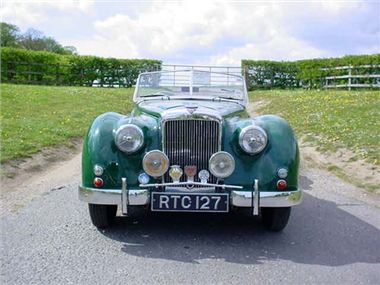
x,y
281,184
98,182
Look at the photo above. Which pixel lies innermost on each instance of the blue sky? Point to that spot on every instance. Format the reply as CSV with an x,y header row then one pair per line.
x,y
205,32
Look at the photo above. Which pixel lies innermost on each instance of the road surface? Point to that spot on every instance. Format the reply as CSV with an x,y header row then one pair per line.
x,y
331,238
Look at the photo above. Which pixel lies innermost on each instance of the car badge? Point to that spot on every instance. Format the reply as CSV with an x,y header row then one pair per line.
x,y
190,171
175,173
191,110
204,175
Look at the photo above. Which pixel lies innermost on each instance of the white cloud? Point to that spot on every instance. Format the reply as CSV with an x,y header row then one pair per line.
x,y
29,13
218,32
213,31
166,29
278,48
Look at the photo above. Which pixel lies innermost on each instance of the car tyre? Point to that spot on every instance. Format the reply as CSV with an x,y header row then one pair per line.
x,y
275,219
102,216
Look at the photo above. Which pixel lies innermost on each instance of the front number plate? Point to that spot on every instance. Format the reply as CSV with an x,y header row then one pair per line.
x,y
189,202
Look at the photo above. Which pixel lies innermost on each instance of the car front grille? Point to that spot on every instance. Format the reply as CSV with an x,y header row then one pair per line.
x,y
191,142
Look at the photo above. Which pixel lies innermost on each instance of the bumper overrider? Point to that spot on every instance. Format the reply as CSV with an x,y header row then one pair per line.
x,y
139,197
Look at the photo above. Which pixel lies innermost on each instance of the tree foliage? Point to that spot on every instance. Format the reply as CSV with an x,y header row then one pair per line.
x,y
9,36
32,40
262,74
41,67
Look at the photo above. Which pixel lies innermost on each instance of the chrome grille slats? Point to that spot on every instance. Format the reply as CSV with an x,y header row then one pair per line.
x,y
191,142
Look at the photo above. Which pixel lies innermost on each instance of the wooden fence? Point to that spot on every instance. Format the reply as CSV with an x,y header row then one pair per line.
x,y
353,77
362,76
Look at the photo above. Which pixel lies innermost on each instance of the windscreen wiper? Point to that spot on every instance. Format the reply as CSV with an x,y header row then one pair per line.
x,y
227,99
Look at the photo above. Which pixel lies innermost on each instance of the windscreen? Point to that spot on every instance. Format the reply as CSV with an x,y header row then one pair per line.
x,y
191,83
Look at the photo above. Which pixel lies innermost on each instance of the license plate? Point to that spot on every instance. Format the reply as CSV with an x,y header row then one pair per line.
x,y
189,202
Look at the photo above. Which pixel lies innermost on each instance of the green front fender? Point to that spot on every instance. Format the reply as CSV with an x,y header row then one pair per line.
x,y
99,148
280,152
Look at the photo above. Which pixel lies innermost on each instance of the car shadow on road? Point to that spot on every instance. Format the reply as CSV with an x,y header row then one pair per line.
x,y
319,232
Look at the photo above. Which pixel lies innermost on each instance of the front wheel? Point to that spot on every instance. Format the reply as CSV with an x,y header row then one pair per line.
x,y
275,219
102,215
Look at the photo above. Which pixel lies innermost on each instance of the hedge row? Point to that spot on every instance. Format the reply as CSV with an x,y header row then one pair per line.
x,y
306,73
40,67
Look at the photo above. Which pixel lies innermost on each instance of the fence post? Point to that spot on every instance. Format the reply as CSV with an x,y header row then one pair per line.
x,y
101,75
349,76
29,73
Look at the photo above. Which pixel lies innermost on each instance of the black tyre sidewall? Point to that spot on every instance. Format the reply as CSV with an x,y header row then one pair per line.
x,y
102,216
275,219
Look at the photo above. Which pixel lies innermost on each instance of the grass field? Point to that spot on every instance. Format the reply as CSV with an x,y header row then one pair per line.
x,y
33,117
331,119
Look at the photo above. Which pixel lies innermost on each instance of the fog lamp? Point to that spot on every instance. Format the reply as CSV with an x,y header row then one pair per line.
x,y
155,163
222,164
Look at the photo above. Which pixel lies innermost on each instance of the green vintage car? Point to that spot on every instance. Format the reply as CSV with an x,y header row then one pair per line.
x,y
189,145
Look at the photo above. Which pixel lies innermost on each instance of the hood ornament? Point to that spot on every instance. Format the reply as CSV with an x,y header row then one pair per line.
x,y
191,110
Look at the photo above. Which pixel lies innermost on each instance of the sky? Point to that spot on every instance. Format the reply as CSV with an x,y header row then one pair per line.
x,y
204,32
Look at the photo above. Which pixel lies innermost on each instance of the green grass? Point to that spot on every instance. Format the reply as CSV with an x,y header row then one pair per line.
x,y
331,119
33,117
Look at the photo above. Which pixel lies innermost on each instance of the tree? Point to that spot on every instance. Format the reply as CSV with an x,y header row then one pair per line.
x,y
9,35
70,49
32,40
53,46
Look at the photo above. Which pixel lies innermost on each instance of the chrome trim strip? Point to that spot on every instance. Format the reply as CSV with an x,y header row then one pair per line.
x,y
124,196
267,199
223,186
138,197
100,196
113,196
256,199
141,197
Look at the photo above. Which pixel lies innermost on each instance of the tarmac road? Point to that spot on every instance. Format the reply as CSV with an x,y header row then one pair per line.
x,y
331,238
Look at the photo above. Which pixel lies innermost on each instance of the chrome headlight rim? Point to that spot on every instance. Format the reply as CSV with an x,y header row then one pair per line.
x,y
164,156
217,175
244,131
140,133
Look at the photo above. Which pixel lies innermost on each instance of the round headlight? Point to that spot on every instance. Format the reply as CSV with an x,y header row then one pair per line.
x,y
253,139
129,138
155,163
221,164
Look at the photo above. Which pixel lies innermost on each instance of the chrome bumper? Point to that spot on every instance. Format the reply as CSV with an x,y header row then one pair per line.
x,y
113,196
142,197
